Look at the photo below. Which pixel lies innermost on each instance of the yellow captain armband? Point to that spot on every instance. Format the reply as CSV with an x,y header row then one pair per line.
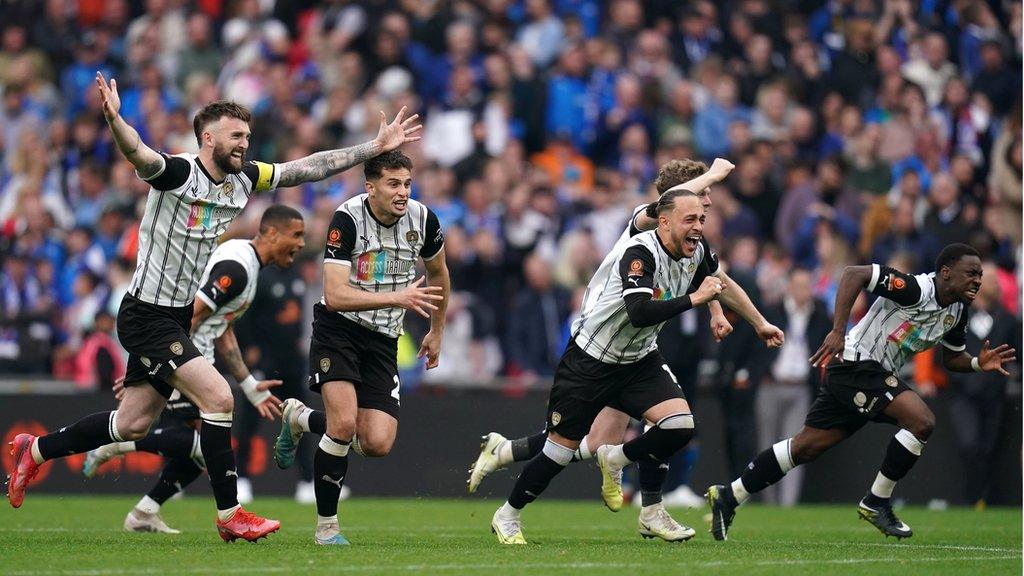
x,y
265,176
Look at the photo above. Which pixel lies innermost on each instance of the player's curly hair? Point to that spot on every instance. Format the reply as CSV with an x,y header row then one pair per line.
x,y
391,160
671,174
675,172
215,111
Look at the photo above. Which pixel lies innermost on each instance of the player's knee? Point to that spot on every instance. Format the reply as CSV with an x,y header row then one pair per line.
x,y
676,431
806,451
221,403
341,428
922,426
134,429
373,448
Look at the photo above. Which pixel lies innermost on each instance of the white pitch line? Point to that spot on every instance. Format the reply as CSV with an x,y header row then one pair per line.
x,y
517,566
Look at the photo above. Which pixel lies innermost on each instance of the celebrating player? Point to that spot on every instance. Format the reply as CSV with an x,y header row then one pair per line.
x,y
912,313
228,287
612,358
370,259
192,200
610,425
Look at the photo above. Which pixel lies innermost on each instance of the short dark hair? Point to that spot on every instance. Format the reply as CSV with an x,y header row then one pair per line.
x,y
214,111
393,160
667,201
952,254
278,216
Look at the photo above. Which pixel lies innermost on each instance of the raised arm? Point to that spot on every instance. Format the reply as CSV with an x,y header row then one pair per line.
x,y
322,165
718,171
147,162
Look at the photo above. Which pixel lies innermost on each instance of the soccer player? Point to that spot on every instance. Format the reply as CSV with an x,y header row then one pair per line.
x,y
373,244
912,313
228,287
610,424
192,200
612,358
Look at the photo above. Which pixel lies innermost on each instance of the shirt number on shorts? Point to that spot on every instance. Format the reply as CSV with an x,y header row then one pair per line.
x,y
394,391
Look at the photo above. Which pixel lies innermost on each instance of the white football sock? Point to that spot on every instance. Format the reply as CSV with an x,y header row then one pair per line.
x,y
740,491
148,505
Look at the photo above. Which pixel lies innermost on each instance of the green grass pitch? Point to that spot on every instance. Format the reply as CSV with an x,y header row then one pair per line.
x,y
82,536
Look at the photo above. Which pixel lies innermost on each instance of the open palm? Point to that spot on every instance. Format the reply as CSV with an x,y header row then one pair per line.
x,y
398,132
111,99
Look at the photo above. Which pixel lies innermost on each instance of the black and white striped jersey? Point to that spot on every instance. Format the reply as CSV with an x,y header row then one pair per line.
x,y
905,320
227,288
382,258
186,211
639,263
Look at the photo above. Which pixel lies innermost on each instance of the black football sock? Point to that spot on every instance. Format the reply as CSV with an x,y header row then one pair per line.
x,y
318,422
177,473
766,469
901,455
91,432
172,441
537,474
651,476
215,439
661,441
330,464
524,449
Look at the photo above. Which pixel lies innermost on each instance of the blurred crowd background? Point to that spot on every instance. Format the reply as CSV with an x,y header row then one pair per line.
x,y
862,131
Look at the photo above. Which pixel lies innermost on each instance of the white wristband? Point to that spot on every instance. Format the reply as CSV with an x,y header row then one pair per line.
x,y
255,396
975,365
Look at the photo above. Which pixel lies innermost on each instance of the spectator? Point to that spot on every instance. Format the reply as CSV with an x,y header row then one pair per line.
x,y
99,362
929,67
785,392
538,311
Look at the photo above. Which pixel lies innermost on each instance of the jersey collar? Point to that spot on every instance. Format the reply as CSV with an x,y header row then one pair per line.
x,y
202,169
257,253
366,204
665,248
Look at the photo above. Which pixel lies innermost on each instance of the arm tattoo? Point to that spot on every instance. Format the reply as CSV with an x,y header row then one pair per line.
x,y
232,356
321,165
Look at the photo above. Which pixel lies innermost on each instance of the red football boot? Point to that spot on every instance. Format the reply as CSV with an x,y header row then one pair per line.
x,y
25,468
247,526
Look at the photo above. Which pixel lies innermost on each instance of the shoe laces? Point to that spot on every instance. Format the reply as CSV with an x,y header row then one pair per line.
x,y
243,516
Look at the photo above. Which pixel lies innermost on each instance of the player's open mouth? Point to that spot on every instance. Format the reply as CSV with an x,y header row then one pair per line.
x,y
971,293
238,155
400,204
692,241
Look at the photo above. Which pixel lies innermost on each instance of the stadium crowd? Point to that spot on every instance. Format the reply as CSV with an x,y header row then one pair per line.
x,y
862,131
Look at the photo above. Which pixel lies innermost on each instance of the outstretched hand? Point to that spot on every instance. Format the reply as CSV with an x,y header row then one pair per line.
x,y
992,360
398,132
111,99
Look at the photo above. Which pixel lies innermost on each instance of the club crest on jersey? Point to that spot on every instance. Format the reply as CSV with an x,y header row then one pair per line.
x,y
691,267
947,322
891,381
177,348
325,364
412,236
334,237
555,418
228,189
636,267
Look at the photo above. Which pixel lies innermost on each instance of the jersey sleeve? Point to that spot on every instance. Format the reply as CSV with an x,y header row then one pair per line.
x,y
227,280
434,237
636,268
341,239
633,230
710,260
897,286
174,173
264,177
956,338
